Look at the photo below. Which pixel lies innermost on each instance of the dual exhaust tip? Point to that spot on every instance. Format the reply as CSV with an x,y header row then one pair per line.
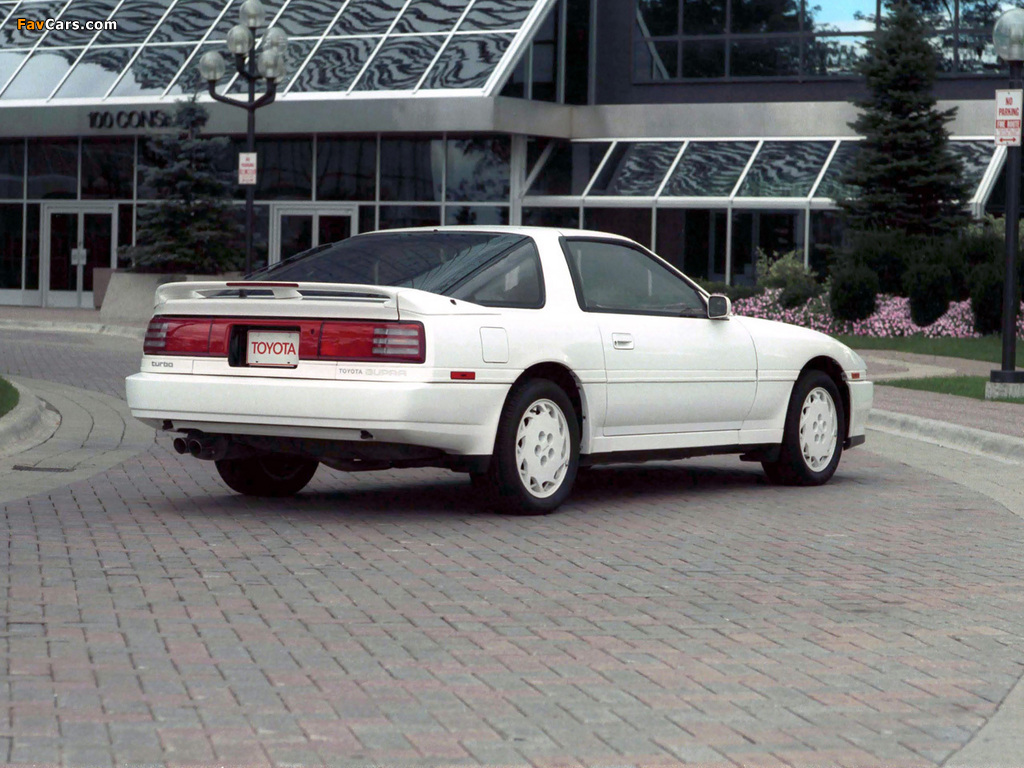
x,y
202,446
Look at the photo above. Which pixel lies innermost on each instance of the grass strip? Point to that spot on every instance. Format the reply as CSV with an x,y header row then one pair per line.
x,y
988,348
8,397
962,386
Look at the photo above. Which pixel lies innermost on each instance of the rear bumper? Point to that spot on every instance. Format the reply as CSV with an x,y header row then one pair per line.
x,y
458,418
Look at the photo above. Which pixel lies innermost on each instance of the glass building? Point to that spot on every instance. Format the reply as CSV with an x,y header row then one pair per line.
x,y
705,129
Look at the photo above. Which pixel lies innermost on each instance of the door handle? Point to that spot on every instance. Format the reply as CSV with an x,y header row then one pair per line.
x,y
622,341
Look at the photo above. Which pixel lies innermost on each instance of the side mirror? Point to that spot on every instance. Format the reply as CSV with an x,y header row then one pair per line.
x,y
719,307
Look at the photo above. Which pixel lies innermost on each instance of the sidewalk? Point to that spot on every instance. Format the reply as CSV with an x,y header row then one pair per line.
x,y
923,415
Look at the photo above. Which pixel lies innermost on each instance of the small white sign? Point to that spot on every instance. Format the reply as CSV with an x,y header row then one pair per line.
x,y
247,167
1008,117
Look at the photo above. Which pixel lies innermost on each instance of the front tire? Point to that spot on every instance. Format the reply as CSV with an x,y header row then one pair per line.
x,y
536,451
270,474
812,442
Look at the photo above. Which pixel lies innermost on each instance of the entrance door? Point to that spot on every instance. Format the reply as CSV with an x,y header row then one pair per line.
x,y
76,238
296,228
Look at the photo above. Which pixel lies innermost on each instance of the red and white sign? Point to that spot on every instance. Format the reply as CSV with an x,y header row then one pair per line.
x,y
247,167
1008,117
275,349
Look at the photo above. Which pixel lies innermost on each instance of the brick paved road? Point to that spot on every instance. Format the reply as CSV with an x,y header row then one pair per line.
x,y
675,613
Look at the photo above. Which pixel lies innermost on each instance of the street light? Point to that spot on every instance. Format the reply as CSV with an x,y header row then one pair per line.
x,y
1008,38
269,65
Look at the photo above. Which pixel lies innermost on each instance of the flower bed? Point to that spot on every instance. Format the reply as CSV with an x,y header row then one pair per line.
x,y
891,317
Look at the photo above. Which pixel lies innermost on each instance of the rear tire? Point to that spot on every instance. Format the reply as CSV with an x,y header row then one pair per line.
x,y
812,443
536,451
270,474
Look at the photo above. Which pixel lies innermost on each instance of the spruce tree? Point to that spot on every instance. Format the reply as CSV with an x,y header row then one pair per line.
x,y
907,179
192,227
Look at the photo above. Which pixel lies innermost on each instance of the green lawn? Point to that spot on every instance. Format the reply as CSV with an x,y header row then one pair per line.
x,y
987,348
8,397
964,386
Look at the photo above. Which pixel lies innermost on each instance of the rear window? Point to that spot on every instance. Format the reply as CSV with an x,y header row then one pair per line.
x,y
495,270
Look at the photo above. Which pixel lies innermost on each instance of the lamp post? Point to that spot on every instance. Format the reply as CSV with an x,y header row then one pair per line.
x,y
1008,38
269,65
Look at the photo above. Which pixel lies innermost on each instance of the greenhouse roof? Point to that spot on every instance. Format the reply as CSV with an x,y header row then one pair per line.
x,y
350,48
712,172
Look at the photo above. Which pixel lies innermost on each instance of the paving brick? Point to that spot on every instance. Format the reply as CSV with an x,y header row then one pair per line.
x,y
671,613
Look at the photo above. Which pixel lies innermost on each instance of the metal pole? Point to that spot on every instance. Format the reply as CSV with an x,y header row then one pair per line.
x,y
250,146
1013,169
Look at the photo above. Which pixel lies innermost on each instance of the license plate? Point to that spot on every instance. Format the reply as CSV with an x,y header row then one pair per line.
x,y
272,349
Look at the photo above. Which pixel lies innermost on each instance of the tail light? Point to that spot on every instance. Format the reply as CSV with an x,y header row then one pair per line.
x,y
354,340
361,341
178,336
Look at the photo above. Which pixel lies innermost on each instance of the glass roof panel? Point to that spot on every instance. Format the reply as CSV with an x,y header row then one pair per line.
x,y
399,64
296,53
335,64
153,70
569,167
10,61
367,16
785,169
975,156
95,73
431,15
12,37
307,18
41,73
636,168
467,61
135,20
497,14
832,186
709,169
188,20
80,11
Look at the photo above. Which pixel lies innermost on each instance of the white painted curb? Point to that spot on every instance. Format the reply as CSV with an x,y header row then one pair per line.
x,y
23,420
967,439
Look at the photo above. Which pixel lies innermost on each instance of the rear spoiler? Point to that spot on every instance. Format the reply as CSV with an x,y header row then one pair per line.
x,y
376,294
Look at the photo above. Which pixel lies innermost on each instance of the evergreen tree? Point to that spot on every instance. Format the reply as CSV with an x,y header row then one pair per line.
x,y
193,227
907,179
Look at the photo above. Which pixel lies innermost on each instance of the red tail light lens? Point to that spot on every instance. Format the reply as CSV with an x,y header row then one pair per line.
x,y
397,342
178,336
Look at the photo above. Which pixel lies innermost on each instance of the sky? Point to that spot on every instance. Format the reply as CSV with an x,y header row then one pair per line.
x,y
840,13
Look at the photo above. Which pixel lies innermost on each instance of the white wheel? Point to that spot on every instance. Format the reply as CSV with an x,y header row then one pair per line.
x,y
536,450
819,429
812,442
542,448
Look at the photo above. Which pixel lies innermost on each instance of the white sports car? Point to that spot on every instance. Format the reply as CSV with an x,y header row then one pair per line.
x,y
516,354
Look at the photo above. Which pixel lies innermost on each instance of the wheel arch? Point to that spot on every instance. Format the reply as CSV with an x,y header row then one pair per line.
x,y
564,377
834,371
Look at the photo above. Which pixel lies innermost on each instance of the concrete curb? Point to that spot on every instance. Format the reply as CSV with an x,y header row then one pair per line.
x,y
967,439
23,420
44,325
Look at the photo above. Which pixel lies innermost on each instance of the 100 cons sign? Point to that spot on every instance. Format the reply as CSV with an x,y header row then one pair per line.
x,y
130,118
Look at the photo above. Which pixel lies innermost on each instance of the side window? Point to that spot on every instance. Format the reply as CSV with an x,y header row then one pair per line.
x,y
611,277
513,280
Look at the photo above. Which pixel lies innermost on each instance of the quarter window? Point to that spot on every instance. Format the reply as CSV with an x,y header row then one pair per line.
x,y
610,277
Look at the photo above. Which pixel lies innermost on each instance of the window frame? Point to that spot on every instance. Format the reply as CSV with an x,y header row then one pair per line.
x,y
564,241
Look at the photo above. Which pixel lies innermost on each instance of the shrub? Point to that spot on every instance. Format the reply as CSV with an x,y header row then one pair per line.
x,y
987,298
854,287
788,273
887,254
929,289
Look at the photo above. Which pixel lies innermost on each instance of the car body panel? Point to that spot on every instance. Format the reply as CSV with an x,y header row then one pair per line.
x,y
681,382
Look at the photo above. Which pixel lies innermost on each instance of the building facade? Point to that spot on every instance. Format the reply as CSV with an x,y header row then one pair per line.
x,y
705,129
